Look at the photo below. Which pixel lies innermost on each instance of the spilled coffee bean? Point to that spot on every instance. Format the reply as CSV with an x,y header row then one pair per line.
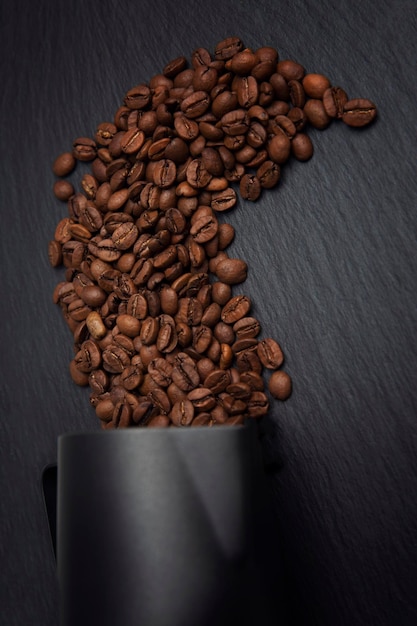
x,y
160,335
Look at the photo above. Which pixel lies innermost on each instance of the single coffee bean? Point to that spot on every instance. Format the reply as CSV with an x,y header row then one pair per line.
x,y
231,271
160,400
217,380
132,140
115,359
279,148
247,327
315,85
290,70
205,78
280,385
55,253
182,413
138,97
197,175
243,344
95,325
125,236
204,229
334,100
63,190
64,164
235,123
236,308
184,373
88,358
250,187
158,421
161,371
223,200
298,118
202,337
196,104
149,330
227,48
131,377
257,405
270,353
268,174
247,91
302,147
128,324
243,62
359,112
84,149
316,114
167,339
175,66
202,399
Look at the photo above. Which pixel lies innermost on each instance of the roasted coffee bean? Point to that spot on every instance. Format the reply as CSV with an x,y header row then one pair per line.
x,y
64,164
63,190
302,147
243,344
223,200
248,361
298,118
149,330
160,400
247,91
196,104
280,385
253,379
95,325
125,236
231,271
182,413
197,175
279,148
250,187
202,399
236,308
217,380
315,85
158,421
247,327
270,353
268,174
84,149
138,97
359,112
316,114
55,253
258,404
297,93
184,373
167,339
334,100
202,337
128,324
227,48
131,377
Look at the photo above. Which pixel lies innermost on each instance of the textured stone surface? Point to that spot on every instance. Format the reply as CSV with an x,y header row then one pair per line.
x,y
332,274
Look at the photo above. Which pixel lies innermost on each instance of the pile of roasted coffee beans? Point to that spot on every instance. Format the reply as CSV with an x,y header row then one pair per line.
x,y
160,336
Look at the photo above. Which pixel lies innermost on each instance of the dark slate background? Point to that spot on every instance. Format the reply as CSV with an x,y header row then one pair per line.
x,y
333,277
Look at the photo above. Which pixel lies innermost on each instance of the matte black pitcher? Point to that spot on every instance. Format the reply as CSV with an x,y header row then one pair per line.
x,y
156,527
